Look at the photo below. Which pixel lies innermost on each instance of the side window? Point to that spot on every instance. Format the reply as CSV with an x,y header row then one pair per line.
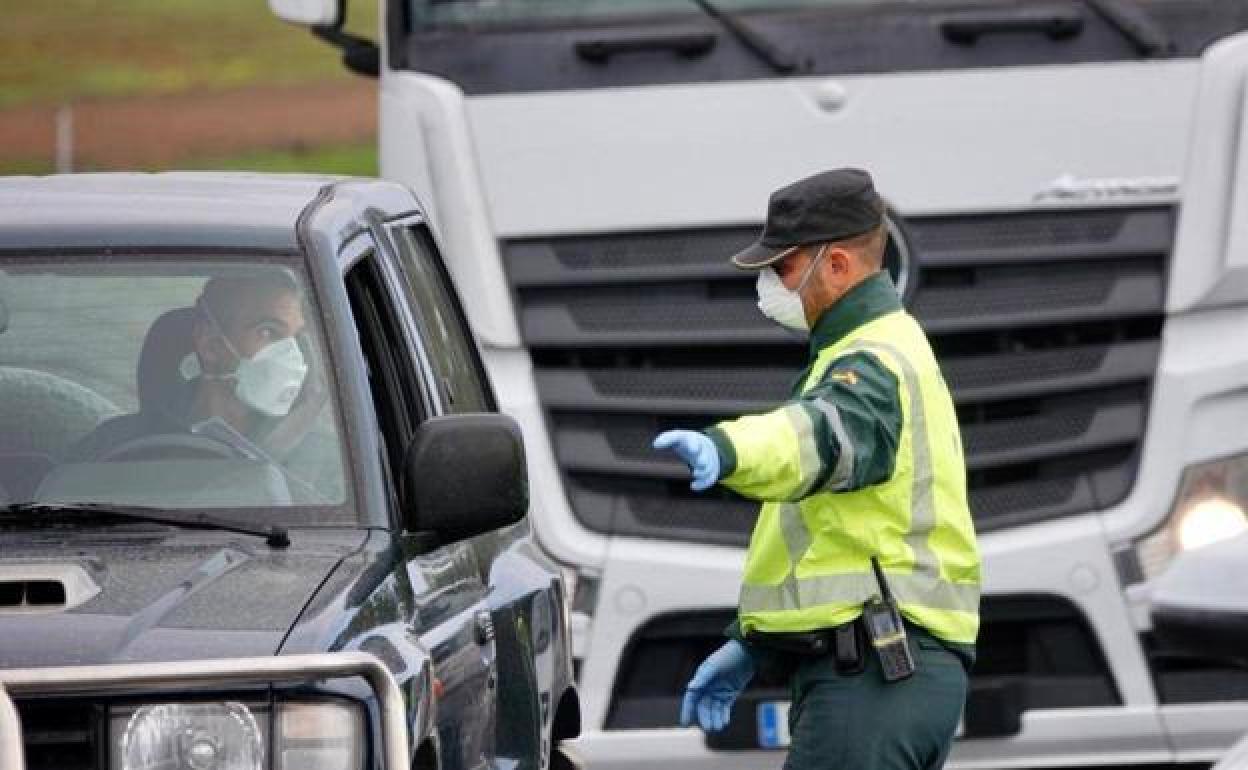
x,y
392,375
447,338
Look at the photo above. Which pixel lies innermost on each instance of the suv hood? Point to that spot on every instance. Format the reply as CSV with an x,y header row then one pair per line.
x,y
179,596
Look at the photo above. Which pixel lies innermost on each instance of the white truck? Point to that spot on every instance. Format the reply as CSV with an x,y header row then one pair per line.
x,y
1074,181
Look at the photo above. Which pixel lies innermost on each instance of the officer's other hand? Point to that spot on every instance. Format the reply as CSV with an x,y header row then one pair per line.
x,y
698,452
715,687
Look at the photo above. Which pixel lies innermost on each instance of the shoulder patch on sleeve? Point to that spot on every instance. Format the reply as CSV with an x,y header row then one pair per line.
x,y
846,376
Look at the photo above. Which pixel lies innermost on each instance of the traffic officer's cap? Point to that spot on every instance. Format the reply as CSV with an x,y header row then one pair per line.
x,y
829,206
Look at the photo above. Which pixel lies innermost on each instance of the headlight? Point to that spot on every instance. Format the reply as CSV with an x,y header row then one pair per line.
x,y
309,735
326,735
189,736
1208,509
1209,521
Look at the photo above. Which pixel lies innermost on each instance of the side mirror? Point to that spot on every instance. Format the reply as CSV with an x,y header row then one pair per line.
x,y
310,13
464,475
1200,603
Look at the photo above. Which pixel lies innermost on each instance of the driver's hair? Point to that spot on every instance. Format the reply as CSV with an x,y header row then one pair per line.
x,y
223,295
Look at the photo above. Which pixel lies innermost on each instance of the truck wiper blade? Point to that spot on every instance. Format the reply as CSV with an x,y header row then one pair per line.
x,y
275,537
1136,25
779,61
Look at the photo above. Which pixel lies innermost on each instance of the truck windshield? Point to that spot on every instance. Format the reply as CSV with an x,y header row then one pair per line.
x,y
430,13
510,46
167,383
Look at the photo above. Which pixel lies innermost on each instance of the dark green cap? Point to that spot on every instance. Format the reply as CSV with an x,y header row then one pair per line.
x,y
829,206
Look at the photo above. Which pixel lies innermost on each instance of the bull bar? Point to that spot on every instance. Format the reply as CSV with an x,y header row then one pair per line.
x,y
119,677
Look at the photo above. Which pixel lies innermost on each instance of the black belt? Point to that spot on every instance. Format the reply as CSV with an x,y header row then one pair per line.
x,y
845,643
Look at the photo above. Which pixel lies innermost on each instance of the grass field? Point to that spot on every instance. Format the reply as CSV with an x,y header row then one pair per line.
x,y
349,160
352,160
53,51
143,64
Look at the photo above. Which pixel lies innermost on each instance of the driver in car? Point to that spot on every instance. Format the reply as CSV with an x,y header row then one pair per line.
x,y
244,372
246,364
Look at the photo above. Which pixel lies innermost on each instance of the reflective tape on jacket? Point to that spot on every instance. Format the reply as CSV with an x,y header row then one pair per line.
x,y
809,564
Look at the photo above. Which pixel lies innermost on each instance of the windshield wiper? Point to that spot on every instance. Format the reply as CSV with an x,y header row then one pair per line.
x,y
1136,25
779,61
274,536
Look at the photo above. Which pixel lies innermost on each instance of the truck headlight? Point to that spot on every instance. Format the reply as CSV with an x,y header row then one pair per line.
x,y
1209,508
306,735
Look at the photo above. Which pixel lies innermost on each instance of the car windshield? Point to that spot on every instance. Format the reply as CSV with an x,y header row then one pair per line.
x,y
168,383
437,13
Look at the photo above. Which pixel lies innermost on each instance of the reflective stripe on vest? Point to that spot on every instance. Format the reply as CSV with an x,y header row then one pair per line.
x,y
923,586
808,450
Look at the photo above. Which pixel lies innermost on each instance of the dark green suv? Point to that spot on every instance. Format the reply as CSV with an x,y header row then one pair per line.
x,y
258,509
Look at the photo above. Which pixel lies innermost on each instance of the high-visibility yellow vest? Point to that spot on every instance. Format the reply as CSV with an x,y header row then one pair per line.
x,y
809,560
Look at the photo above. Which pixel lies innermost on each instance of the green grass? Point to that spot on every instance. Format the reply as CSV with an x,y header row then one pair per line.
x,y
34,166
65,50
349,160
352,160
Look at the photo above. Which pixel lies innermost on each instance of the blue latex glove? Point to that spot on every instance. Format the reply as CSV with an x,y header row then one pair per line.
x,y
698,452
715,687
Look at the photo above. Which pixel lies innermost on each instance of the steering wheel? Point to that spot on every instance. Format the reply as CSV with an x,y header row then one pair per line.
x,y
166,445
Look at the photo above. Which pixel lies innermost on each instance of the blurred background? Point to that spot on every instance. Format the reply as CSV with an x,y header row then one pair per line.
x,y
156,84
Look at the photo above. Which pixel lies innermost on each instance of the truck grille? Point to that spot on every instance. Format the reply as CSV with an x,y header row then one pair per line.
x,y
61,735
1034,652
1047,325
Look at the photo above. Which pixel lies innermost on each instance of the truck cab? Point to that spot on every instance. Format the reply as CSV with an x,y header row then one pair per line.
x,y
1067,176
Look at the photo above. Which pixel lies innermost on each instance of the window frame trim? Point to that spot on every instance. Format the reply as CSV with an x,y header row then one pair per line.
x,y
454,305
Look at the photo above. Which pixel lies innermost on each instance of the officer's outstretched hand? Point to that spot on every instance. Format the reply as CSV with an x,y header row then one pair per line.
x,y
698,452
715,687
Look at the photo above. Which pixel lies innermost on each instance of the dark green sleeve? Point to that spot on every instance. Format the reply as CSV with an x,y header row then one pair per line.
x,y
727,455
856,413
768,663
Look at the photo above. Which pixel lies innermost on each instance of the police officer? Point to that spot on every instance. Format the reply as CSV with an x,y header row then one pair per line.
x,y
863,485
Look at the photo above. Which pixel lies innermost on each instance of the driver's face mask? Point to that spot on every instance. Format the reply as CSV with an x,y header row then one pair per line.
x,y
268,381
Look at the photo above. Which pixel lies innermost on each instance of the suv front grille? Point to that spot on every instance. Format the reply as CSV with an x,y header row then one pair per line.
x,y
1047,325
60,735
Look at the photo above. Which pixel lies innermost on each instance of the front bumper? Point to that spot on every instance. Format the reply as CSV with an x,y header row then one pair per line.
x,y
129,677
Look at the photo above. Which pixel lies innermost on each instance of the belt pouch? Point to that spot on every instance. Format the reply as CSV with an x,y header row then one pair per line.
x,y
847,648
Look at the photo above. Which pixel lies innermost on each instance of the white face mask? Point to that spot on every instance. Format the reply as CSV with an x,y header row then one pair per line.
x,y
268,382
781,304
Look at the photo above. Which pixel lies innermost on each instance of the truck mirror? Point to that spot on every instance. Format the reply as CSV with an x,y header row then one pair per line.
x,y
1200,603
464,475
310,13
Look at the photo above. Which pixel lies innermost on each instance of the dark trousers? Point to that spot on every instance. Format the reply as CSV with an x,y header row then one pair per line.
x,y
860,722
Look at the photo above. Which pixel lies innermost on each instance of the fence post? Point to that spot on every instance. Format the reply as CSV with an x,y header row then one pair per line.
x,y
65,139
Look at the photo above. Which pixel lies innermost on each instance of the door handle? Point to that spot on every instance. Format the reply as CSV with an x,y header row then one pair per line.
x,y
689,46
968,28
484,628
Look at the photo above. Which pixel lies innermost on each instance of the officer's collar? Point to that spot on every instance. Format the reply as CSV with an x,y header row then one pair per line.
x,y
874,297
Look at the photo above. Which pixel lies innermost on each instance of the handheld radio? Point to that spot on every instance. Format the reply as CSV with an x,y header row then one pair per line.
x,y
886,632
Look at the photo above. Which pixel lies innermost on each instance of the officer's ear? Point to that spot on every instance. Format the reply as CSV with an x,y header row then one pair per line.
x,y
838,265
